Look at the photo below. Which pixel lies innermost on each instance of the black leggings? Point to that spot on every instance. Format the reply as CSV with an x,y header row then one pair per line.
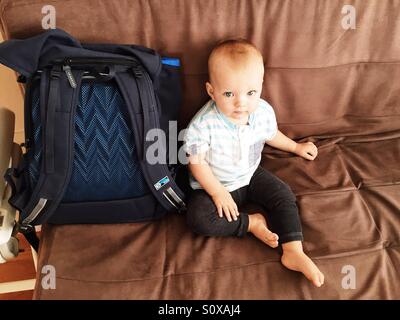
x,y
265,189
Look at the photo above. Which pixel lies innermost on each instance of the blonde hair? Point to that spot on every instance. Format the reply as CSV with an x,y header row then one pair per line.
x,y
239,51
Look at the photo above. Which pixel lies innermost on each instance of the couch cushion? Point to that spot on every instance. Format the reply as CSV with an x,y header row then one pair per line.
x,y
352,224
343,164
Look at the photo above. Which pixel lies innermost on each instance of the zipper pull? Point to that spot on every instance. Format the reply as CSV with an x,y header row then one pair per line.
x,y
70,76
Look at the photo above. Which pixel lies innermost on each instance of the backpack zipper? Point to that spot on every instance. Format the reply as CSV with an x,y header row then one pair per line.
x,y
69,62
79,61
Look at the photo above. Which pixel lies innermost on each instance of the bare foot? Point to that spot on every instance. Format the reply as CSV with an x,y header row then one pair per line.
x,y
258,227
295,259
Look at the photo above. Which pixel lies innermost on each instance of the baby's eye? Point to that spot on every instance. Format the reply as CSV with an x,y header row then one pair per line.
x,y
252,92
228,94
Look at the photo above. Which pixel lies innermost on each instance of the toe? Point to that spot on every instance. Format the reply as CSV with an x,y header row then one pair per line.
x,y
318,280
321,278
272,243
272,236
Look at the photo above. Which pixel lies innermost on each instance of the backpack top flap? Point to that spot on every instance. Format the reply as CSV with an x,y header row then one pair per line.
x,y
28,55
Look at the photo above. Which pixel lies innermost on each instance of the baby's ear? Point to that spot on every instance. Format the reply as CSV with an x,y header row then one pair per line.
x,y
210,90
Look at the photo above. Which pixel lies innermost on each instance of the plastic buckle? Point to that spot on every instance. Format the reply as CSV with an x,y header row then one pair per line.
x,y
55,72
137,72
26,228
54,75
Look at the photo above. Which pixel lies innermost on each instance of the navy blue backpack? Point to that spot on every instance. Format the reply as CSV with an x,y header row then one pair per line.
x,y
88,108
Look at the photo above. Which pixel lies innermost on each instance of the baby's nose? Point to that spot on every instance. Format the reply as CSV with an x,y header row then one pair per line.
x,y
240,104
240,107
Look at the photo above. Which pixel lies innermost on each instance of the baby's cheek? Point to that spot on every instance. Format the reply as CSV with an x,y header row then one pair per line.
x,y
252,108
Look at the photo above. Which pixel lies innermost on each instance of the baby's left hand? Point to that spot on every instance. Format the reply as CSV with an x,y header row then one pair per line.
x,y
307,150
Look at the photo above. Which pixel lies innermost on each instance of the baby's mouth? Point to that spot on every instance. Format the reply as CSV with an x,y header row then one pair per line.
x,y
239,112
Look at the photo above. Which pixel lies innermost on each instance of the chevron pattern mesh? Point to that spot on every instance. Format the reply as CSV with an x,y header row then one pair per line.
x,y
105,165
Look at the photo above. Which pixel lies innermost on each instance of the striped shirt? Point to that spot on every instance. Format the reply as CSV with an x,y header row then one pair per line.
x,y
232,151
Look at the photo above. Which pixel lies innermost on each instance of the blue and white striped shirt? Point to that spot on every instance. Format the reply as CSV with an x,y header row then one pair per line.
x,y
233,151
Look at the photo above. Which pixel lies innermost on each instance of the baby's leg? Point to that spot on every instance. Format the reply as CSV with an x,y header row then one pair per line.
x,y
202,217
280,204
295,259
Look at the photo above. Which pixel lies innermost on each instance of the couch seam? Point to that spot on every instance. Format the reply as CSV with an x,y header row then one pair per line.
x,y
337,118
310,68
361,187
336,65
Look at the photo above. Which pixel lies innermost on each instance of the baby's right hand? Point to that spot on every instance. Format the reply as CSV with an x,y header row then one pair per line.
x,y
225,205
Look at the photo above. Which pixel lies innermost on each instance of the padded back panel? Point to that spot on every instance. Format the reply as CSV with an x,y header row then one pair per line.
x,y
105,165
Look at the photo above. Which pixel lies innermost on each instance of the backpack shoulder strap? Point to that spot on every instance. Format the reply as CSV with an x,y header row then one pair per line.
x,y
57,119
144,115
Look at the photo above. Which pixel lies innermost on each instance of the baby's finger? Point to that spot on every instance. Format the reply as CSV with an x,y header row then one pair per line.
x,y
233,213
311,153
227,214
312,145
236,210
308,156
219,209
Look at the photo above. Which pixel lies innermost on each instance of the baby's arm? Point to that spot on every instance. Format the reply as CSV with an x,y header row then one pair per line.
x,y
306,150
221,197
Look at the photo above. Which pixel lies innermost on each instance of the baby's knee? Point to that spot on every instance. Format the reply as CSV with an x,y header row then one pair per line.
x,y
200,223
200,214
285,195
289,194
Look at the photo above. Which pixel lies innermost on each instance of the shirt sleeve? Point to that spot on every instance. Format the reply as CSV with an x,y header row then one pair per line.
x,y
196,139
270,126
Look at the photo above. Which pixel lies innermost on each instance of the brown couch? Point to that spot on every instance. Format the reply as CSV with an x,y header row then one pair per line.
x,y
338,88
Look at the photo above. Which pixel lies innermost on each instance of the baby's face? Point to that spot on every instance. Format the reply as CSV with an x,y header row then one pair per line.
x,y
236,89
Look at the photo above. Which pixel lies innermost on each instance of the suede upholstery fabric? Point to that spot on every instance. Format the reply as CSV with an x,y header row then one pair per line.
x,y
338,88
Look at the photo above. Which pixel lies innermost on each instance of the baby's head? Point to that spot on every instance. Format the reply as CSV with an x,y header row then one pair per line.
x,y
236,73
